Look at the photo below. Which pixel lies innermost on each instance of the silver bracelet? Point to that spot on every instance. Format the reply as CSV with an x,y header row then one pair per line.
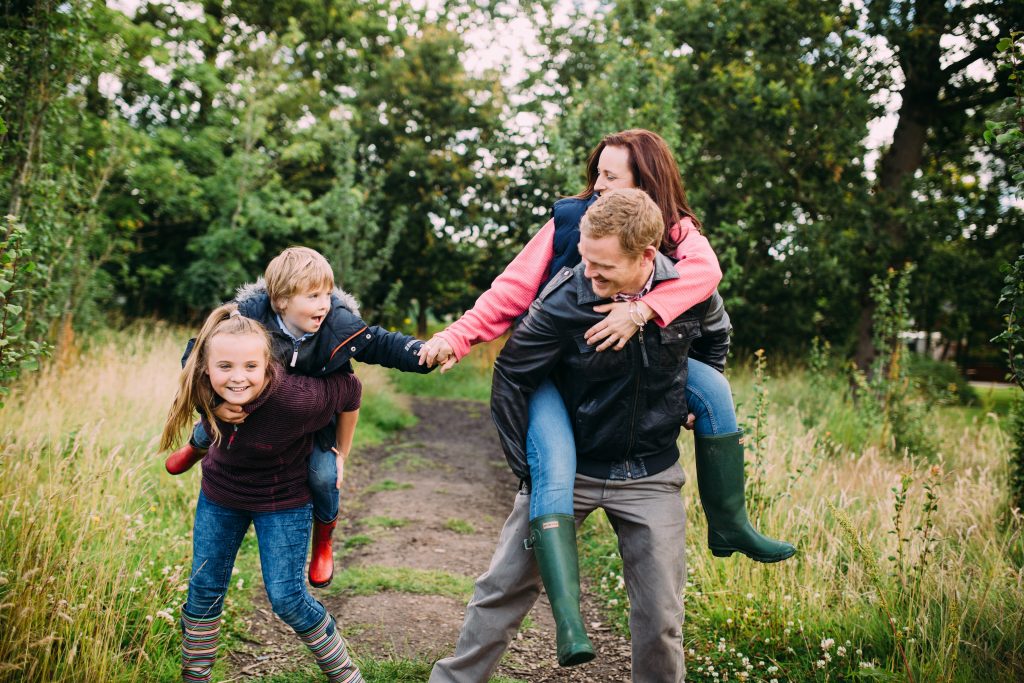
x,y
634,314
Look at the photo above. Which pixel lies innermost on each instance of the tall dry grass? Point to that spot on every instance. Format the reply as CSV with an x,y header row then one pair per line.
x,y
95,538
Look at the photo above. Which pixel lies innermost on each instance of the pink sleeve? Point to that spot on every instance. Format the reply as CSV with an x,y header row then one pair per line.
x,y
699,275
510,295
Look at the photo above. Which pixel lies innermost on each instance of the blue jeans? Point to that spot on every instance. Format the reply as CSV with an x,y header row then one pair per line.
x,y
323,475
551,449
283,538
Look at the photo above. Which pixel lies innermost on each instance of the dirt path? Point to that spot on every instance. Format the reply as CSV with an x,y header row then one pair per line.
x,y
434,500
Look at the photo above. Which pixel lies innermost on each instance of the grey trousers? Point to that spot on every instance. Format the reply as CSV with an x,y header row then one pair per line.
x,y
650,521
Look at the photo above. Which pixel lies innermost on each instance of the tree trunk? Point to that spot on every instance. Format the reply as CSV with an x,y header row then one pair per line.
x,y
919,54
421,322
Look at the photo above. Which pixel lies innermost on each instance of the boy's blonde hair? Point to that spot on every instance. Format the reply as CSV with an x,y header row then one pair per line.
x,y
296,270
195,393
630,214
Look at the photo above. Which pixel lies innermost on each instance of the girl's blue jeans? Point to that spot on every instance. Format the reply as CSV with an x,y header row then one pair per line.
x,y
551,450
323,475
283,539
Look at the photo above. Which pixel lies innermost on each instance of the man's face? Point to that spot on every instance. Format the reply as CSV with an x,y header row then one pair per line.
x,y
612,271
305,312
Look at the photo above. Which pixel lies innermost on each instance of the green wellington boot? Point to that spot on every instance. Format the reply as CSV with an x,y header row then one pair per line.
x,y
720,482
554,545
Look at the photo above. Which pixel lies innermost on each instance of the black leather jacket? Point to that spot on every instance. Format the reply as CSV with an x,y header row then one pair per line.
x,y
626,406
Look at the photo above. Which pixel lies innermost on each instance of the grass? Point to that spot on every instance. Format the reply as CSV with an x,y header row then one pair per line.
x,y
374,579
382,522
459,526
94,536
386,485
357,541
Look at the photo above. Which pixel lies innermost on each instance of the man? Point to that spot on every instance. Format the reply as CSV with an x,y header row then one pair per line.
x,y
626,408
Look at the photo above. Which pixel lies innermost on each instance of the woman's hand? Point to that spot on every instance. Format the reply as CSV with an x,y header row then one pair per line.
x,y
617,327
339,459
229,413
438,351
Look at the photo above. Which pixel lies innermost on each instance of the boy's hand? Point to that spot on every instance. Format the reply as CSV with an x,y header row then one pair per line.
x,y
339,458
226,412
438,351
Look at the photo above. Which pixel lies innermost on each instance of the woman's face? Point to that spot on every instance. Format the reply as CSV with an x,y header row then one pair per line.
x,y
237,366
613,171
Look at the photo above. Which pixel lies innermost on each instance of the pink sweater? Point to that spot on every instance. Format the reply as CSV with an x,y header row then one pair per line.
x,y
513,291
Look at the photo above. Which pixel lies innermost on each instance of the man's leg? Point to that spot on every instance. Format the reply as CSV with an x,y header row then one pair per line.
x,y
650,520
503,595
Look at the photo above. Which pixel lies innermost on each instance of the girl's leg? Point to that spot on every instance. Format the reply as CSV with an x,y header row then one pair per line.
x,y
720,476
283,538
551,454
323,482
216,535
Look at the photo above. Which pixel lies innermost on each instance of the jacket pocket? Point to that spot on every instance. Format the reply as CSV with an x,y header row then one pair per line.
x,y
596,364
675,341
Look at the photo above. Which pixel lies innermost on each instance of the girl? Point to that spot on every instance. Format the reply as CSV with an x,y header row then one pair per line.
x,y
254,473
629,159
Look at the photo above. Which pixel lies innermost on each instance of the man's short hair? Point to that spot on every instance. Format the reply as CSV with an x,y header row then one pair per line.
x,y
297,270
630,214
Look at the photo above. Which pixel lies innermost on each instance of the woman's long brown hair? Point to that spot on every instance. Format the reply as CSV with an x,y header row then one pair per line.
x,y
654,171
195,393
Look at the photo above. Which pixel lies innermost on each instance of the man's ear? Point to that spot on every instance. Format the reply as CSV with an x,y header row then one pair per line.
x,y
649,253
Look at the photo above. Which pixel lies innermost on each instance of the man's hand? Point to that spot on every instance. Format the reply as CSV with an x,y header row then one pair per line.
x,y
691,419
617,327
229,413
339,459
438,351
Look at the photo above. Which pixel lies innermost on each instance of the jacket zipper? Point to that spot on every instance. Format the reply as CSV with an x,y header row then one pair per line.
x,y
636,398
231,439
295,351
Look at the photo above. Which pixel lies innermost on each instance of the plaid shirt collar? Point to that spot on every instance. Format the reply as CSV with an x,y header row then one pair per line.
x,y
642,293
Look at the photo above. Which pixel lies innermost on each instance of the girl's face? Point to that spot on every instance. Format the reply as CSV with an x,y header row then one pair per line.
x,y
237,366
613,171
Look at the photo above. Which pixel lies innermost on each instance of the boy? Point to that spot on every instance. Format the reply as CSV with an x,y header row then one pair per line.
x,y
315,330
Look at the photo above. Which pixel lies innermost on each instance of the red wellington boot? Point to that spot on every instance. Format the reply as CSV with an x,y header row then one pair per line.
x,y
321,567
182,459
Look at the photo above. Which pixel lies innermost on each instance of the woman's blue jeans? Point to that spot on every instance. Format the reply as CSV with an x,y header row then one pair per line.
x,y
551,449
323,475
283,539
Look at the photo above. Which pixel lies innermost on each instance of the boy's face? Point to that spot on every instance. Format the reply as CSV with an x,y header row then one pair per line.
x,y
304,313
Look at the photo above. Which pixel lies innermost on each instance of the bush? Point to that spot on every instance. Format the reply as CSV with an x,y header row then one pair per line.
x,y
940,382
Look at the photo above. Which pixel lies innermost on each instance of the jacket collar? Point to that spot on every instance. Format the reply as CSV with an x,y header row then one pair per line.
x,y
664,269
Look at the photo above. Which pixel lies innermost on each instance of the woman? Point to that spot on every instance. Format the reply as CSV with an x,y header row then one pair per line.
x,y
254,474
629,159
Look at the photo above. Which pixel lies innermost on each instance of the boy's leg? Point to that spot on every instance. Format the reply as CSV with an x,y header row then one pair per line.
x,y
192,452
283,537
216,535
323,483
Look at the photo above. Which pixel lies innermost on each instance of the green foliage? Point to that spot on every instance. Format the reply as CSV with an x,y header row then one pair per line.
x,y
1017,454
897,405
939,382
18,352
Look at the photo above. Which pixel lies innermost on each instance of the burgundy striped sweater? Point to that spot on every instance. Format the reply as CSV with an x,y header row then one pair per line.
x,y
262,465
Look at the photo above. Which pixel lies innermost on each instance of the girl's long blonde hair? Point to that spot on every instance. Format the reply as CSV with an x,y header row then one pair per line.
x,y
195,393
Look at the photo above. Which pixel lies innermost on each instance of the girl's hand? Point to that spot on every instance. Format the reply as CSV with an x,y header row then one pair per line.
x,y
231,414
436,351
339,459
617,327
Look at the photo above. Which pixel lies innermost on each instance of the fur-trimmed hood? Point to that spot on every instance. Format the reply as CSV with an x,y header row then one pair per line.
x,y
259,288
